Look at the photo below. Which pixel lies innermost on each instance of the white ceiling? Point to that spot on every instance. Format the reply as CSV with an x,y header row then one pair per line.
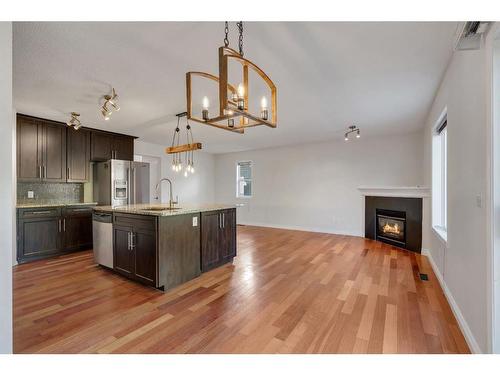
x,y
379,76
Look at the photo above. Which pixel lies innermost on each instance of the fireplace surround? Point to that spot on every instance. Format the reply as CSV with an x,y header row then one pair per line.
x,y
394,220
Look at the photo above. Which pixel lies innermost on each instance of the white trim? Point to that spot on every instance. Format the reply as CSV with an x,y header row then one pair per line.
x,y
441,234
395,191
464,327
303,229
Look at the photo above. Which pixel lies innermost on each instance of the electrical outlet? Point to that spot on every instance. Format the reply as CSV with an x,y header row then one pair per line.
x,y
195,221
31,194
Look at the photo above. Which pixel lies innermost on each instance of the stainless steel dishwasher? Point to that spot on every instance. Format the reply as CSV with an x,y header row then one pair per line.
x,y
102,230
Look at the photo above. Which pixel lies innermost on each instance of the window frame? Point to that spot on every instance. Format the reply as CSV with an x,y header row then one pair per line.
x,y
440,172
238,179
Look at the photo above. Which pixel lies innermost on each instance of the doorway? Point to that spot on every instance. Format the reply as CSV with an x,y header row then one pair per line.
x,y
154,175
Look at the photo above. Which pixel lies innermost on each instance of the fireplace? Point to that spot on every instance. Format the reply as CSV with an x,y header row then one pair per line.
x,y
391,227
396,221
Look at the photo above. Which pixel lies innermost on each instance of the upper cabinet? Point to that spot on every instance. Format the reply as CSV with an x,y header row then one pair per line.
x,y
107,146
53,152
78,155
123,147
41,150
29,149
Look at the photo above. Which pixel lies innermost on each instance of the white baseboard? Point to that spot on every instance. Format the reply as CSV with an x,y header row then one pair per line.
x,y
466,331
304,229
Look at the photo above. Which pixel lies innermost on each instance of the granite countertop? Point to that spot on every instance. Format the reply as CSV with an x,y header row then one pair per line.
x,y
150,209
37,205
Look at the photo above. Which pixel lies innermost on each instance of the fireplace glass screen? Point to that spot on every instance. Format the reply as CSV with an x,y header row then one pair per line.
x,y
391,227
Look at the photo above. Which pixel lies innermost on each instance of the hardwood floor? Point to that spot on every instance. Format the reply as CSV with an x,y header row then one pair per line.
x,y
287,292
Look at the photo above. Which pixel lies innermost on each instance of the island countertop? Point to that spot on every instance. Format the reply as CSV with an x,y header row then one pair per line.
x,y
162,209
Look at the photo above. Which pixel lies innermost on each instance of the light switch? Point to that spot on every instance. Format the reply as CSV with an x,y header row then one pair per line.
x,y
479,201
195,221
31,194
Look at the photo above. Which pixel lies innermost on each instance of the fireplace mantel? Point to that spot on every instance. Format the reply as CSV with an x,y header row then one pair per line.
x,y
395,191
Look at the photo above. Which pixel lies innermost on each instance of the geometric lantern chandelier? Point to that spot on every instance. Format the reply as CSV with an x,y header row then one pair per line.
x,y
233,112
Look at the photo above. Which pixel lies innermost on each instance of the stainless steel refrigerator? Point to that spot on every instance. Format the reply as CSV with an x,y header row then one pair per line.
x,y
121,182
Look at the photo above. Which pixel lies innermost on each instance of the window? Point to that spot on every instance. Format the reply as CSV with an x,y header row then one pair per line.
x,y
244,179
439,179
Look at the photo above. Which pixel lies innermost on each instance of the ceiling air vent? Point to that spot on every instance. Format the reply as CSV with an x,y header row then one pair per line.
x,y
470,35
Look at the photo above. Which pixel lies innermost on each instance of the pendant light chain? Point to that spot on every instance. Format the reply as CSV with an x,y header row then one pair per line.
x,y
240,41
226,32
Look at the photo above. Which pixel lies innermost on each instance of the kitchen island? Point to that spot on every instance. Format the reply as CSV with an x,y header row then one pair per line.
x,y
164,246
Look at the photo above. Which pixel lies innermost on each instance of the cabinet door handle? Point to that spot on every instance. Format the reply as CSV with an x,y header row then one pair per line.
x,y
223,220
64,225
40,212
44,171
39,171
132,244
128,240
59,225
68,176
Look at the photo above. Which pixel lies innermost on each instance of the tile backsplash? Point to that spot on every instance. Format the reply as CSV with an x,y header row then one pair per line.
x,y
50,192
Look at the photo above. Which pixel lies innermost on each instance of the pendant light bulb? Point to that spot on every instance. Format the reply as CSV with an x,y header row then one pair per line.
x,y
185,173
346,138
205,103
241,90
173,167
263,103
192,169
358,135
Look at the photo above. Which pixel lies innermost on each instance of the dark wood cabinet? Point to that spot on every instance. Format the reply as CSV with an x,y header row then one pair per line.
x,y
123,147
228,235
107,146
49,231
53,152
144,246
41,150
39,235
210,240
218,238
135,248
102,146
123,256
78,155
77,228
29,149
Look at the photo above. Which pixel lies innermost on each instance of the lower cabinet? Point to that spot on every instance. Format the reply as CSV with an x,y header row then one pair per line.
x,y
46,232
135,247
218,238
77,228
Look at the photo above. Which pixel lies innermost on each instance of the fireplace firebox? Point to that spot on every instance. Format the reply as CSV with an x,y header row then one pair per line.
x,y
391,227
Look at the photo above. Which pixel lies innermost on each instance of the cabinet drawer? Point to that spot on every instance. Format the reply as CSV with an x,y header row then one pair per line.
x,y
28,213
143,222
71,211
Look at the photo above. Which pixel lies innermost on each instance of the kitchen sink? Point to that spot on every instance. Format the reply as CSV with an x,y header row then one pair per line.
x,y
161,208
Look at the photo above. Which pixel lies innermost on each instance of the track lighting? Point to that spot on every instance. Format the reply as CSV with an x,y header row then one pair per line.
x,y
352,129
110,101
75,121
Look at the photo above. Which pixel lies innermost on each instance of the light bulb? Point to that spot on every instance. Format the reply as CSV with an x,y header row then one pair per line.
x,y
358,135
346,138
205,103
241,90
192,169
263,103
173,167
185,173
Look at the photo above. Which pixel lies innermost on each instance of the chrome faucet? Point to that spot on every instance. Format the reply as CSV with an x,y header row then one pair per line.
x,y
171,202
